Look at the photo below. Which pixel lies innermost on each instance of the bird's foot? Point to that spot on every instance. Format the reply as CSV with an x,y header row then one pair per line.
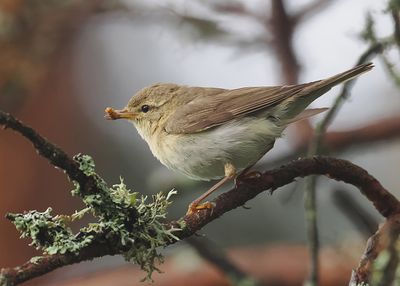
x,y
195,207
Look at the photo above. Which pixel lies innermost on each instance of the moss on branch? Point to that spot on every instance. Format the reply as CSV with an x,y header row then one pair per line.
x,y
135,222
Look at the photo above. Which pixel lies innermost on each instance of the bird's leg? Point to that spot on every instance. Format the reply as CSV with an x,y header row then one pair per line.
x,y
230,172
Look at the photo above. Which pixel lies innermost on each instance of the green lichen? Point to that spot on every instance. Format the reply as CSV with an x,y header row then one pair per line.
x,y
133,220
86,164
49,233
150,233
384,264
35,259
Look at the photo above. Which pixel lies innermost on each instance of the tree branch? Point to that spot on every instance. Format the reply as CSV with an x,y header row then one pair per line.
x,y
361,218
336,169
282,29
344,94
339,141
394,11
52,153
383,239
314,149
381,130
216,256
310,9
41,265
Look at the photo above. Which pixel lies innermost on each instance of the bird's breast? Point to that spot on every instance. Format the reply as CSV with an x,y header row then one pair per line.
x,y
202,155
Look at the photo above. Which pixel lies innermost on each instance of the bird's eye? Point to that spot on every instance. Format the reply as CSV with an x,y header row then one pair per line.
x,y
145,108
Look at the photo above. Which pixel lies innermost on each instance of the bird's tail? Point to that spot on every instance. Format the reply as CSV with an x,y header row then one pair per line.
x,y
312,90
326,84
306,114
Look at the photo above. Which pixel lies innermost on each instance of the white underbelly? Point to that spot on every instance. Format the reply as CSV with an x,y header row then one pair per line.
x,y
202,155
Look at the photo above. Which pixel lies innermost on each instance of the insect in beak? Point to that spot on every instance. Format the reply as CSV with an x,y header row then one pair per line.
x,y
112,114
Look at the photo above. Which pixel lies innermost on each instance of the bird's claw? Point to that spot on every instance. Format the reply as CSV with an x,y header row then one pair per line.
x,y
195,207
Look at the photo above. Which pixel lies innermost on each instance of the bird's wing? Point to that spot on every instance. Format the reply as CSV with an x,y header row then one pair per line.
x,y
207,111
210,109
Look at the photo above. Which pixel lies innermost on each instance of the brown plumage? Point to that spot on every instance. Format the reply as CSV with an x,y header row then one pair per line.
x,y
208,133
220,105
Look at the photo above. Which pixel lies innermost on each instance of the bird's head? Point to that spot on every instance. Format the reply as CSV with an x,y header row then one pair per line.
x,y
149,107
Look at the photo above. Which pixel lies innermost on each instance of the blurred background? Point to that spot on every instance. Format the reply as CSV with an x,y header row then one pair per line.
x,y
63,62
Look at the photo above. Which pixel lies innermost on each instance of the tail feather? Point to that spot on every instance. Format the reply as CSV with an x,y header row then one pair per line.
x,y
306,114
311,91
330,82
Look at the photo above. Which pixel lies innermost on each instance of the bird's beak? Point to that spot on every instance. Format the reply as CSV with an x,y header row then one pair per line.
x,y
112,114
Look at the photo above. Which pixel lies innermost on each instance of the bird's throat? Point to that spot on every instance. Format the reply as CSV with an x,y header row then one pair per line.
x,y
148,131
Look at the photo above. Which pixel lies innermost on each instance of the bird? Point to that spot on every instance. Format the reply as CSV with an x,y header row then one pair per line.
x,y
211,133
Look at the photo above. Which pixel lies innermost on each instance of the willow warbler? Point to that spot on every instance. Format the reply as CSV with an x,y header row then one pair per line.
x,y
212,133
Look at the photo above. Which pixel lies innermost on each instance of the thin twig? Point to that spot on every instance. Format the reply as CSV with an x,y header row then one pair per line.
x,y
52,153
389,271
370,36
326,121
396,21
362,219
310,9
282,29
283,26
215,255
314,148
310,207
386,235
